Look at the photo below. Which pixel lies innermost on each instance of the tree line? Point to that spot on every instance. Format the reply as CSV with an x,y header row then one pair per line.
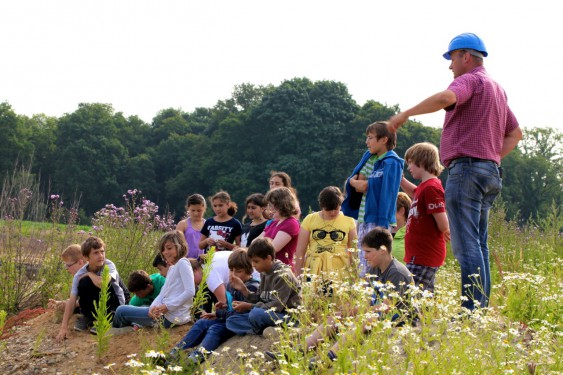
x,y
314,131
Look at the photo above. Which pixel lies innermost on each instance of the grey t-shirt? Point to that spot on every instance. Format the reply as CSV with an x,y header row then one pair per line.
x,y
396,274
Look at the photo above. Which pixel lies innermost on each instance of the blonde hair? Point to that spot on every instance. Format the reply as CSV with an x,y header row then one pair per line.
x,y
72,252
425,155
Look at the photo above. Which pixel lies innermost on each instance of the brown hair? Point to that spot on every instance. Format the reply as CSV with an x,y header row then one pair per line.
x,y
138,280
379,129
330,198
72,252
239,260
404,201
286,180
178,239
378,237
91,243
283,200
224,197
195,199
261,247
425,155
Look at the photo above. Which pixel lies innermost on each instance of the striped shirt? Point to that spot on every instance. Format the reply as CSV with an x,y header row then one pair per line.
x,y
366,171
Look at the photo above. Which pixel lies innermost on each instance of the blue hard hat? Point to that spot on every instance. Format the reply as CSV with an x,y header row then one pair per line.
x,y
466,41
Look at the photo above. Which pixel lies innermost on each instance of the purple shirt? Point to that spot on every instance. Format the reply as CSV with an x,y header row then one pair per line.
x,y
477,124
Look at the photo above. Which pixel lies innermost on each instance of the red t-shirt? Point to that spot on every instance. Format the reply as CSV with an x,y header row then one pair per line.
x,y
291,227
424,242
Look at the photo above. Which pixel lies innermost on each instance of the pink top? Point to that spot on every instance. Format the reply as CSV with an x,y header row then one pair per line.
x,y
289,226
477,124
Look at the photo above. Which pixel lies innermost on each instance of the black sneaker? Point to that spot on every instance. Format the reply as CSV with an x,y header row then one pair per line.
x,y
82,324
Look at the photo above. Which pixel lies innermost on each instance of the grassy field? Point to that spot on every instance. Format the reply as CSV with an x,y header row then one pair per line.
x,y
521,332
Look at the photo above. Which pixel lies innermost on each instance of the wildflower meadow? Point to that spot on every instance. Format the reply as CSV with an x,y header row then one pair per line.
x,y
519,333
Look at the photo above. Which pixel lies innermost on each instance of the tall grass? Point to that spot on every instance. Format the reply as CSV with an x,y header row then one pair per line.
x,y
131,231
30,268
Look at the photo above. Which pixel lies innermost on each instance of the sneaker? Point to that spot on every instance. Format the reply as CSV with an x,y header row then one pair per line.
x,y
93,331
82,324
196,357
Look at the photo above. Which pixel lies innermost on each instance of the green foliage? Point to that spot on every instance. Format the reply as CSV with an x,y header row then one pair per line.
x,y
102,317
30,266
131,232
3,316
201,296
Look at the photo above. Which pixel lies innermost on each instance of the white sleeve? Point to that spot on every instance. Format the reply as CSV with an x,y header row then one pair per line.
x,y
186,287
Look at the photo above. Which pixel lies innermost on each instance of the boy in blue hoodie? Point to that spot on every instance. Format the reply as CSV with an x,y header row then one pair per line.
x,y
371,190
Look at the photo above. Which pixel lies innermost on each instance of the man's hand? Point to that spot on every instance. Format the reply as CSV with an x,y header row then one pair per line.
x,y
395,122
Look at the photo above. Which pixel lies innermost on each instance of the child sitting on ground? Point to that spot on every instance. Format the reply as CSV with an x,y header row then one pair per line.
x,y
173,304
161,265
278,292
211,330
73,261
384,269
145,287
86,286
428,228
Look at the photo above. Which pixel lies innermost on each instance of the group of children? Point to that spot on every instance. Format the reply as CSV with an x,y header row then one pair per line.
x,y
275,247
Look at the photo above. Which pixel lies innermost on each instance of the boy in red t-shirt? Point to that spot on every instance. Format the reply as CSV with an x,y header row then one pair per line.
x,y
427,225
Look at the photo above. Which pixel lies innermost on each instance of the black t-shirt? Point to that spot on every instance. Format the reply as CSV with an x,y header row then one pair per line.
x,y
227,231
249,233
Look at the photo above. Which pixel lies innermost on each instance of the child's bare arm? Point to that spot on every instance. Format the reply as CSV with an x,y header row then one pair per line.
x,y
443,224
70,303
408,187
238,284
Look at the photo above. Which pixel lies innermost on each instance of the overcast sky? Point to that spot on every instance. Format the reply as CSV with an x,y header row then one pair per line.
x,y
145,56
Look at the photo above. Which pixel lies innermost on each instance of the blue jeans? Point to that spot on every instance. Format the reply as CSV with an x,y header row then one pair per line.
x,y
126,315
209,333
471,189
255,321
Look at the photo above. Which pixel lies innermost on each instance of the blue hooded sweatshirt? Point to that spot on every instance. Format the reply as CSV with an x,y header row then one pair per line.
x,y
381,195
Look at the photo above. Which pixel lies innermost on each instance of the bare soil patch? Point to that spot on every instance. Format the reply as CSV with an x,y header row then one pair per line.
x,y
31,349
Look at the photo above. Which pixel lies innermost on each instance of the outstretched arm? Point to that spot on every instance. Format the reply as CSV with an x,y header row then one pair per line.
x,y
431,104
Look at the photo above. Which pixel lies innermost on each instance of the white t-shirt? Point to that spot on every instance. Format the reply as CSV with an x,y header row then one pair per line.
x,y
220,270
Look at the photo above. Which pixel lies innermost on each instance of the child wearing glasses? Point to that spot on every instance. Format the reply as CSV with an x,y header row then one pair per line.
x,y
371,190
86,285
325,237
73,261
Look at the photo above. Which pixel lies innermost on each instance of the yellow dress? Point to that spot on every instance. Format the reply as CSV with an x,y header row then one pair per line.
x,y
327,251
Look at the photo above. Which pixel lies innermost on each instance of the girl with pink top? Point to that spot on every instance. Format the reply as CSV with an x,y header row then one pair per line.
x,y
284,229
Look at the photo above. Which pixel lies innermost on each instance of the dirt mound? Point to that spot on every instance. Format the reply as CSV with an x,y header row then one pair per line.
x,y
31,349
